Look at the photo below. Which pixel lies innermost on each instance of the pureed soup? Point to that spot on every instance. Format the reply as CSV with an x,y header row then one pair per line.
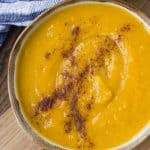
x,y
83,77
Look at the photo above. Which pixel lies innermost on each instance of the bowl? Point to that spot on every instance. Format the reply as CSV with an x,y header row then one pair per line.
x,y
11,72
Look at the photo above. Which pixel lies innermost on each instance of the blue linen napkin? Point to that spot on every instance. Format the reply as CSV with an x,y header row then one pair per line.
x,y
20,13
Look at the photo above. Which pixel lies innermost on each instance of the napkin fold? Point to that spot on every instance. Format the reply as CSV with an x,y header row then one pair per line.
x,y
20,13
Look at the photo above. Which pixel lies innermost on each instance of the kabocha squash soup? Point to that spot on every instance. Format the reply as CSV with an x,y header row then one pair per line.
x,y
83,76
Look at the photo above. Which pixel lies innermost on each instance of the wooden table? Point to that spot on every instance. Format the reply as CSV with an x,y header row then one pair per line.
x,y
12,137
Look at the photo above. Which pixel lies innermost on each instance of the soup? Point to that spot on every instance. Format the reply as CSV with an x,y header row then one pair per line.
x,y
82,76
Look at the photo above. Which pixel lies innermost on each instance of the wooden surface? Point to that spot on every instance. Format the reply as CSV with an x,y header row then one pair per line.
x,y
12,137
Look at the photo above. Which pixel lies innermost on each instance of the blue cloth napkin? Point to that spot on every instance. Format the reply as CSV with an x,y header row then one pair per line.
x,y
20,13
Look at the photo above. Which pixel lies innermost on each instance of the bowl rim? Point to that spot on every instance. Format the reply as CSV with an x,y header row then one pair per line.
x,y
136,140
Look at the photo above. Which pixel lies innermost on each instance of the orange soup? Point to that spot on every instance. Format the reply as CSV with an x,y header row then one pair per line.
x,y
83,78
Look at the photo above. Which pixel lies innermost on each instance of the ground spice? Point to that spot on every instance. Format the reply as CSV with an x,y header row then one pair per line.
x,y
45,104
75,31
68,126
47,55
78,119
68,53
72,87
61,93
119,38
125,28
88,106
49,101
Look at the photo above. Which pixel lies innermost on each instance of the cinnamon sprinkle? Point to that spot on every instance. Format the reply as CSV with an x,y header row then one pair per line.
x,y
78,119
71,89
75,31
125,28
68,53
49,101
45,104
47,55
88,106
68,126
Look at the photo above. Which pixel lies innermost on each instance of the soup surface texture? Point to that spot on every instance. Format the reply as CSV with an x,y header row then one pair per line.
x,y
83,79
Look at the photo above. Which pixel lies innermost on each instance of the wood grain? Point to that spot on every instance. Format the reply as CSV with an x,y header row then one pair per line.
x,y
12,137
4,55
